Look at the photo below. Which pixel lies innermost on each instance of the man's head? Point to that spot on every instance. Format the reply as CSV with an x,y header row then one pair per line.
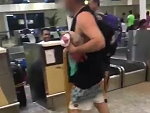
x,y
46,35
147,13
94,4
143,24
130,12
72,5
123,14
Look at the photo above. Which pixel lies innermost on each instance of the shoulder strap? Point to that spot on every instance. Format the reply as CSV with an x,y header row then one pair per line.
x,y
87,9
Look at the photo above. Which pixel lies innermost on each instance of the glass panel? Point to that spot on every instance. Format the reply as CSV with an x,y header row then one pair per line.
x,y
35,20
16,21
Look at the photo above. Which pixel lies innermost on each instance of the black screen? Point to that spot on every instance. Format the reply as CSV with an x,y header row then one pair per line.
x,y
35,20
17,21
20,1
49,1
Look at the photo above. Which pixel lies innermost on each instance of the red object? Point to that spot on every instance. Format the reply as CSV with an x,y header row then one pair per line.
x,y
65,39
79,57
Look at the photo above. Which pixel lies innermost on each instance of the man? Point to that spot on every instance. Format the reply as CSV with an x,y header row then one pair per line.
x,y
123,16
84,75
148,18
130,21
45,34
143,24
95,6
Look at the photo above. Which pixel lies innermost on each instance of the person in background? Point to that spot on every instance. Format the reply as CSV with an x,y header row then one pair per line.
x,y
148,17
123,16
143,25
45,34
130,21
95,6
137,20
123,25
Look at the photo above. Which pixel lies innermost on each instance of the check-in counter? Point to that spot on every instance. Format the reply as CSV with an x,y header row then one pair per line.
x,y
45,71
8,100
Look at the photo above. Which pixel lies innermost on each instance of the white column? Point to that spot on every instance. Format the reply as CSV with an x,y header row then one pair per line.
x,y
129,2
6,25
115,10
142,4
69,22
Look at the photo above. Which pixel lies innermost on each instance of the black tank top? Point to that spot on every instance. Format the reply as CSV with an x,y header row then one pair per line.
x,y
90,72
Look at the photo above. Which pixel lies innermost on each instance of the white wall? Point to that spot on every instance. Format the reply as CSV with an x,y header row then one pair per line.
x,y
110,2
3,26
60,14
148,1
148,7
120,9
121,2
109,9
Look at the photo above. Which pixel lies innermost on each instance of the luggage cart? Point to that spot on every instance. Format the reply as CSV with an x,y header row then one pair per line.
x,y
134,72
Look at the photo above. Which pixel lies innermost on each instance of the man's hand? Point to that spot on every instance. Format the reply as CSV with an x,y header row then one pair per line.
x,y
71,48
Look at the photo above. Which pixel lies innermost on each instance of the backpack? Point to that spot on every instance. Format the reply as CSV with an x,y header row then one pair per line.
x,y
90,72
110,26
112,21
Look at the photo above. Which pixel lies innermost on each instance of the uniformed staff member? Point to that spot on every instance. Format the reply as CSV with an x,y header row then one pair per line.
x,y
45,34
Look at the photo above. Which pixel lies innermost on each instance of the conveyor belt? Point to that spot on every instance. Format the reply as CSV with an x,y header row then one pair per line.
x,y
115,74
113,71
129,66
133,72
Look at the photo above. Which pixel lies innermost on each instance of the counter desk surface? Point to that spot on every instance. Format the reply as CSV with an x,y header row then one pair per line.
x,y
2,50
50,43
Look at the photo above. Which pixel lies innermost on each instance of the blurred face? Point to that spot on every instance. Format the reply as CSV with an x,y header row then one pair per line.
x,y
93,5
46,35
69,4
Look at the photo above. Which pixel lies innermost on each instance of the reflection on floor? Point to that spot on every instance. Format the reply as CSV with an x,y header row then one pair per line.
x,y
133,99
34,108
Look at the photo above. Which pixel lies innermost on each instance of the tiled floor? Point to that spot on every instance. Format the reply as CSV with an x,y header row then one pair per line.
x,y
133,99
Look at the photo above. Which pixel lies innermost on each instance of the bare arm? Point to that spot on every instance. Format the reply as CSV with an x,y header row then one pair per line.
x,y
88,26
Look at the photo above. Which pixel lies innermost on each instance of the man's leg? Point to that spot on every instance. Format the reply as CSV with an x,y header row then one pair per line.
x,y
82,106
102,107
106,81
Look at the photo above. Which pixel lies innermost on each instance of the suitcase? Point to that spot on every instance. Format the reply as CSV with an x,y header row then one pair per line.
x,y
19,83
